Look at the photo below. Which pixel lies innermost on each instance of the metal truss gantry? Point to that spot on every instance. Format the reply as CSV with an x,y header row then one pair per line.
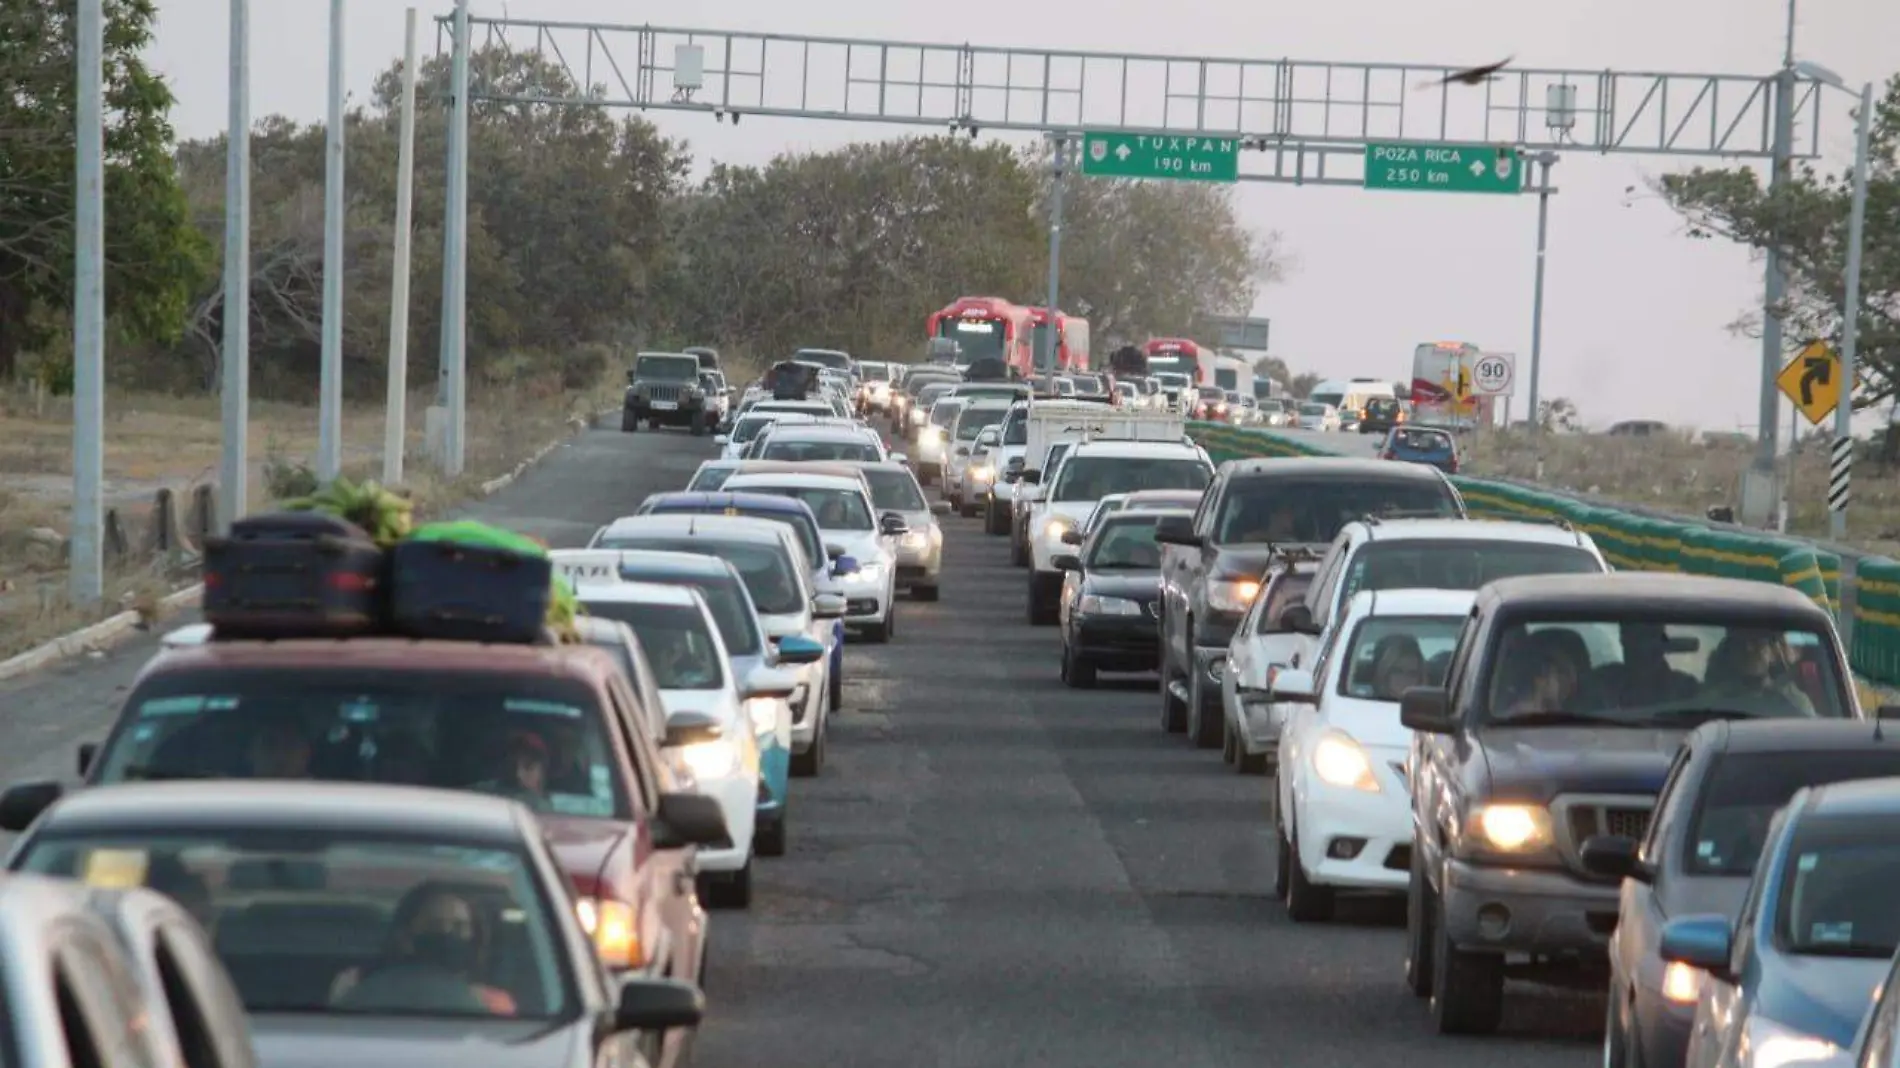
x,y
1263,101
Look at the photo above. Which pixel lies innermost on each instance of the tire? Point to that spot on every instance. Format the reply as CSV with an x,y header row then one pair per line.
x,y
769,840
1281,860
1467,988
1419,911
629,422
1018,551
995,521
1229,746
1173,712
882,632
834,690
925,593
728,890
1204,726
696,427
1077,672
1042,610
968,509
1306,901
808,764
1246,763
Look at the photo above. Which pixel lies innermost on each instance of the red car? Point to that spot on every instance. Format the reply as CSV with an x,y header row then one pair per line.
x,y
556,727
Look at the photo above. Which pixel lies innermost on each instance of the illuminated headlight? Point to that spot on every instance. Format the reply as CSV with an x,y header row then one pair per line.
x,y
710,760
763,712
867,573
917,417
1339,761
982,473
1232,595
1095,605
1055,528
1766,1044
1511,828
1681,983
915,541
611,925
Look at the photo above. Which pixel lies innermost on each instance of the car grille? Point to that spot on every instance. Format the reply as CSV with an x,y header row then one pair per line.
x,y
663,393
1577,818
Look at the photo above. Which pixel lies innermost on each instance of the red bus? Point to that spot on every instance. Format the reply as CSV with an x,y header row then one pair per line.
x,y
1178,355
1072,338
988,327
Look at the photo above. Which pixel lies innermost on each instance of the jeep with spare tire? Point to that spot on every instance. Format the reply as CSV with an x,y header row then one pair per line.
x,y
663,389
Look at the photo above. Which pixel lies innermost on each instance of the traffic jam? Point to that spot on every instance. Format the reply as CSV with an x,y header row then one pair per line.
x,y
419,793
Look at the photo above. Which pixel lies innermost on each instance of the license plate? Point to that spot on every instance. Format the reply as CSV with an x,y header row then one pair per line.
x,y
665,406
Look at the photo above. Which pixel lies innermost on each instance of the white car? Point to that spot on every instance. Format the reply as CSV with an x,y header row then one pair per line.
x,y
1093,470
1316,416
822,444
849,520
933,439
777,574
1261,647
746,427
1342,800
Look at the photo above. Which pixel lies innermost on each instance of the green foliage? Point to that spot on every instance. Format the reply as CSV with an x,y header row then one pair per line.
x,y
1807,223
153,255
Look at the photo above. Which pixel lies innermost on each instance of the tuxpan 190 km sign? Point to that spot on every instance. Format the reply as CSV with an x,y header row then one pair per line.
x,y
1493,374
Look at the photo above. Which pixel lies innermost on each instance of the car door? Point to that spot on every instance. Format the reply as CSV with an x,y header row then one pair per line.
x,y
1180,574
1301,724
1640,912
658,882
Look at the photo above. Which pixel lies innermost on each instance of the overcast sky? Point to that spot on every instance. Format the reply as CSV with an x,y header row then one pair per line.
x,y
1634,314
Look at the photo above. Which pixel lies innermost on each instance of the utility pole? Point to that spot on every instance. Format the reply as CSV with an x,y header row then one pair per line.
x,y
397,401
1776,287
330,385
1840,467
1544,161
234,467
1056,178
455,254
89,306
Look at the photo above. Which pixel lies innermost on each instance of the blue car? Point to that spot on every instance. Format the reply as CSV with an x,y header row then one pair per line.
x,y
826,568
1790,981
1432,446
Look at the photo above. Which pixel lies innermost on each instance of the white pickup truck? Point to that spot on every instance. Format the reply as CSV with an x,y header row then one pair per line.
x,y
1028,431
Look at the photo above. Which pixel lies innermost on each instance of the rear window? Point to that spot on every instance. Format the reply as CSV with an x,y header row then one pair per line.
x,y
894,491
1743,791
784,447
676,638
1422,440
766,571
738,627
1313,510
709,479
1090,478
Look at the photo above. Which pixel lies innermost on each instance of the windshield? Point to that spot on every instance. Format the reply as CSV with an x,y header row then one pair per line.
x,y
1331,400
666,368
1287,590
838,360
314,922
710,477
767,573
1126,543
836,509
1421,440
944,413
894,491
1270,405
1212,393
1090,478
973,419
1052,464
805,527
1088,385
1312,511
1016,427
1744,790
1392,654
454,730
976,339
677,641
1458,565
738,627
819,450
926,387
875,372
1660,673
1170,379
749,427
1312,409
1837,895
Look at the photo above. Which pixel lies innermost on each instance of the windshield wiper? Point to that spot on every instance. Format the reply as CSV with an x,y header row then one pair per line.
x,y
1554,719
146,774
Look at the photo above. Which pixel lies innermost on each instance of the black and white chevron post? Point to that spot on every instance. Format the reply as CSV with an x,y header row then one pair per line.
x,y
1840,475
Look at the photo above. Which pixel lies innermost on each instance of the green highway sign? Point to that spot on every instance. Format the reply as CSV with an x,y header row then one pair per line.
x,y
1180,157
1444,168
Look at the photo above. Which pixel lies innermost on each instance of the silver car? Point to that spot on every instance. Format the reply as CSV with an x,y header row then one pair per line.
x,y
894,488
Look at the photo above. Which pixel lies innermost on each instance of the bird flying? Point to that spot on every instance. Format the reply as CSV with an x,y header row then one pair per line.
x,y
1474,76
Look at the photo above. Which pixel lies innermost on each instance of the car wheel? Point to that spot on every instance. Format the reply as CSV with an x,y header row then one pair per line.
x,y
1229,748
880,632
968,509
696,426
1173,709
769,839
1467,988
1042,605
995,521
1306,901
925,593
1077,672
727,890
1018,552
1282,860
1205,726
629,423
1418,929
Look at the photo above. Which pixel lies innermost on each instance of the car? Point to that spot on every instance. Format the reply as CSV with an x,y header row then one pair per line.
x,y
1342,805
805,444
708,727
769,557
1109,599
464,715
895,489
879,381
352,919
748,651
1726,783
1261,648
1430,446
1090,471
934,442
1793,978
746,426
965,437
1139,501
1562,706
1321,417
849,520
718,396
663,389
1382,415
1028,494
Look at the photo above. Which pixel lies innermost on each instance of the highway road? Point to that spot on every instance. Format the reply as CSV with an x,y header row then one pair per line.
x,y
993,870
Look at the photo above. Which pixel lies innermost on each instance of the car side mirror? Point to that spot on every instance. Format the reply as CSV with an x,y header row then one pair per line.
x,y
1030,477
1705,941
1176,530
1612,856
770,683
892,524
649,1003
1427,709
834,552
828,606
1293,687
1066,562
691,727
844,565
1071,536
21,805
688,819
939,507
88,752
720,439
1888,712
798,649
1298,619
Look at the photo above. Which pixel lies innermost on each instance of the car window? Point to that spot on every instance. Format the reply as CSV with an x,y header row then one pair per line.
x,y
944,413
1126,543
1090,478
308,921
748,428
738,624
678,640
1053,463
710,477
457,730
1453,564
667,368
836,509
894,491
1648,673
818,451
1288,589
1742,792
1392,654
1314,510
1422,440
766,569
1837,892
972,420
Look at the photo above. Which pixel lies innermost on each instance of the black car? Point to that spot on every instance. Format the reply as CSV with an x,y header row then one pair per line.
x,y
371,926
1725,786
1382,414
1110,601
663,389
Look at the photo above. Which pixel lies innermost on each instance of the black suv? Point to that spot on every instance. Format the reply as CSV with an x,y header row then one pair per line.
x,y
1563,705
663,389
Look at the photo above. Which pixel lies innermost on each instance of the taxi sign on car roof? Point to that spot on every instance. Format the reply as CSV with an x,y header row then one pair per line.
x,y
588,566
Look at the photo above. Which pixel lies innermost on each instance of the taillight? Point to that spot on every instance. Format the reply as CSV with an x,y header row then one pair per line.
x,y
614,929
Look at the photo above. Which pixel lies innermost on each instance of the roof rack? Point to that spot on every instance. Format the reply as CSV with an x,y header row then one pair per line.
x,y
1375,518
1557,521
1293,554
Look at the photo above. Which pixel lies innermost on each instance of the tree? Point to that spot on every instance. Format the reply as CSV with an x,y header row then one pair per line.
x,y
1806,222
1303,384
1273,367
153,255
1559,414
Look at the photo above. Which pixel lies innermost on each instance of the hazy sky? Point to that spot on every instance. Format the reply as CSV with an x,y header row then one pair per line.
x,y
1634,312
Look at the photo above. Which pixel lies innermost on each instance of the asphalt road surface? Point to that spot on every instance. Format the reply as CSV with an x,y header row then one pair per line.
x,y
993,870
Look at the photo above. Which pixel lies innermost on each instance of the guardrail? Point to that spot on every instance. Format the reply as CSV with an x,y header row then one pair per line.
x,y
1862,590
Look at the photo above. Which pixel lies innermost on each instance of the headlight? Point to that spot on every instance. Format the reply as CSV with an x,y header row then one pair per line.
x,y
1512,828
611,925
710,760
1094,605
1681,984
982,473
1055,528
1338,761
915,541
1766,1044
871,572
1232,595
763,712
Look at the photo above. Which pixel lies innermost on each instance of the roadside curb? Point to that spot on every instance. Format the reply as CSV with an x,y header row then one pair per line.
x,y
103,635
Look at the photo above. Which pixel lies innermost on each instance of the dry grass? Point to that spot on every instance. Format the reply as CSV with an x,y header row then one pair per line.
x,y
1684,476
156,441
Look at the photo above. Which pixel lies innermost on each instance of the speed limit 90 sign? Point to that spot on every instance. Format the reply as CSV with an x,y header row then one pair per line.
x,y
1492,374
